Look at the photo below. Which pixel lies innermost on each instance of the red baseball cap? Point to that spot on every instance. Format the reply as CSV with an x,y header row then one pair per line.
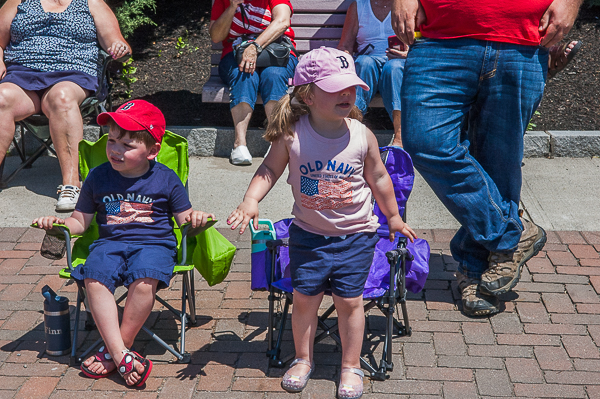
x,y
137,115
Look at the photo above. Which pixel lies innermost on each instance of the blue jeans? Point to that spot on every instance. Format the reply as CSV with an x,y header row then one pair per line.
x,y
383,76
270,82
466,104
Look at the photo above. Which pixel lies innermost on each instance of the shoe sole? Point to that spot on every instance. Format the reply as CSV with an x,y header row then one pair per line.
x,y
537,247
64,208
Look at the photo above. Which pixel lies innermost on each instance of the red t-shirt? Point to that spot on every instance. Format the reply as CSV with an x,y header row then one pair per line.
x,y
258,14
508,21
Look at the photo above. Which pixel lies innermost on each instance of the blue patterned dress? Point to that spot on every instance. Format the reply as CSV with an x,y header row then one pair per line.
x,y
46,48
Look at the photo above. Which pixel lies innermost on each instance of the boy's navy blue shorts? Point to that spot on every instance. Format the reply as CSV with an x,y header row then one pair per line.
x,y
119,263
335,263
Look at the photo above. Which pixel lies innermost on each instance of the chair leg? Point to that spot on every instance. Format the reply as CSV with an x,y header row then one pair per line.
x,y
72,360
191,295
274,352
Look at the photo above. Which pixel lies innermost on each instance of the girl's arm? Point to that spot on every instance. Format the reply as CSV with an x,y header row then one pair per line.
x,y
77,223
108,31
380,183
350,30
264,179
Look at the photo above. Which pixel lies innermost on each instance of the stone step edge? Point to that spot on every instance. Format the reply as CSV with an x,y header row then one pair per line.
x,y
217,141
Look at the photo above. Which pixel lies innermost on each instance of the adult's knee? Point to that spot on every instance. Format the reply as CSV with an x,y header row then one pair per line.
x,y
7,99
60,100
364,62
393,69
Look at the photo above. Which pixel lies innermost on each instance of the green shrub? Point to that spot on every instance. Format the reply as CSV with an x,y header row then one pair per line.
x,y
131,14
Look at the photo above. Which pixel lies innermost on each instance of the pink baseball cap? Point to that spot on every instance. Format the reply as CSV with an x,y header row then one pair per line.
x,y
329,68
137,115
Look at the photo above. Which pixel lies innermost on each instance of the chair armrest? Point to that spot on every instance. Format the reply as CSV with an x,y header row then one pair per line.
x,y
188,231
57,230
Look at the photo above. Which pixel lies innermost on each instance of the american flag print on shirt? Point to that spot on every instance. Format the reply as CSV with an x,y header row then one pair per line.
x,y
322,194
122,212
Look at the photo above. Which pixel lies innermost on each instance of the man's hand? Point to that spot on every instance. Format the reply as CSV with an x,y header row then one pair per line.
x,y
407,15
558,20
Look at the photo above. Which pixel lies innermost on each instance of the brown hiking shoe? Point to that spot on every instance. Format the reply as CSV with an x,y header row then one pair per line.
x,y
505,269
474,302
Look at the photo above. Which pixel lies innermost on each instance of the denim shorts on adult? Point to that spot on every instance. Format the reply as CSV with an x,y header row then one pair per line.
x,y
119,263
336,264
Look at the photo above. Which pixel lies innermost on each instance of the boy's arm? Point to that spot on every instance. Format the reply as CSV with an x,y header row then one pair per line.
x,y
380,183
264,179
77,223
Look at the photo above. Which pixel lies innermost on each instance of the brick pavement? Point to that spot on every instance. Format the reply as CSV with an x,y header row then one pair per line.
x,y
544,344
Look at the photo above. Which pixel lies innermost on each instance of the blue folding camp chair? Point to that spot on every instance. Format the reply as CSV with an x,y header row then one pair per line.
x,y
403,263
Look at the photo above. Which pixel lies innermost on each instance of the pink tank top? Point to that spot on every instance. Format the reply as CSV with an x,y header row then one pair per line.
x,y
331,195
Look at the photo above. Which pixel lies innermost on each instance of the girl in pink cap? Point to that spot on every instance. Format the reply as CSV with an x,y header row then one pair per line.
x,y
334,169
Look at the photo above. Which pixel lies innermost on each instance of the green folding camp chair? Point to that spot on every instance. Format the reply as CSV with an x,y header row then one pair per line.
x,y
174,154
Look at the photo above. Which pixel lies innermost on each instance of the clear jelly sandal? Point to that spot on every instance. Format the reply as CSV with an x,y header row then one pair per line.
x,y
296,383
346,391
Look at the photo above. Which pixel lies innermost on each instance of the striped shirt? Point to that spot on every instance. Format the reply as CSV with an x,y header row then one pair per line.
x,y
253,21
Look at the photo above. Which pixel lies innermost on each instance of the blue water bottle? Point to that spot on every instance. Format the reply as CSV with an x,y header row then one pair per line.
x,y
57,323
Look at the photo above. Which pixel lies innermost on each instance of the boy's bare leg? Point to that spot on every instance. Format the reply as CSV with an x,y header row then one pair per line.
x,y
140,300
104,310
304,326
351,319
397,139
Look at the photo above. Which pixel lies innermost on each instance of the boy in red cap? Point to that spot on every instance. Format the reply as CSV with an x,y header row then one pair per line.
x,y
133,197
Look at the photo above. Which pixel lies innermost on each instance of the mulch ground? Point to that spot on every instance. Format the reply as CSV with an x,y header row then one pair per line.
x,y
172,77
543,344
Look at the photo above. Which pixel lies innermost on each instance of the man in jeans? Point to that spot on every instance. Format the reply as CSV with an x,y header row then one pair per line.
x,y
470,87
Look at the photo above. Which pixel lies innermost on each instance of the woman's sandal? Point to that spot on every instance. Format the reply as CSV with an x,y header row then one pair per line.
x,y
101,356
296,383
346,391
126,366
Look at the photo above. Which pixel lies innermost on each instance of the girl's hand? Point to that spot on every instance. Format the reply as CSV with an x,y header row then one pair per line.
x,y
249,57
47,222
395,53
118,49
241,216
198,218
396,225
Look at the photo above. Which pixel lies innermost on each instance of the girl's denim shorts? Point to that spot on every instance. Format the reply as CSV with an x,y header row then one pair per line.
x,y
336,264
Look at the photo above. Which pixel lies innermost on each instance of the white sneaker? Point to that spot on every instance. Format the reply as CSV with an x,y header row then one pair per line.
x,y
67,199
240,156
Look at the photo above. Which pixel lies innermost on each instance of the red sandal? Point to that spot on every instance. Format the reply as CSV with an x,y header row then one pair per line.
x,y
101,356
126,366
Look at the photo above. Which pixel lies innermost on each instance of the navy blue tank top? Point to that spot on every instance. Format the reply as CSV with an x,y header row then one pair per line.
x,y
48,41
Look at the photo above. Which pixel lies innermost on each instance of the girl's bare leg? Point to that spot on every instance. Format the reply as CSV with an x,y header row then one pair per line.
x,y
304,326
351,319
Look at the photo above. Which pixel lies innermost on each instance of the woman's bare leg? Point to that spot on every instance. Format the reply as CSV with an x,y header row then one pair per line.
x,y
397,140
15,104
60,104
241,114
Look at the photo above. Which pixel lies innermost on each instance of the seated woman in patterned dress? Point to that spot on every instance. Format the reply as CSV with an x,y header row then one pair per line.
x,y
49,62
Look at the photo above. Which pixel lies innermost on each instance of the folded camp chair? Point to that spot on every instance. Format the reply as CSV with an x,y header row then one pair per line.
x,y
174,154
404,263
37,127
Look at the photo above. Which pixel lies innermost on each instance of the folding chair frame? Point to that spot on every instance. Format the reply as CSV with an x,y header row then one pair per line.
x,y
188,298
95,104
387,304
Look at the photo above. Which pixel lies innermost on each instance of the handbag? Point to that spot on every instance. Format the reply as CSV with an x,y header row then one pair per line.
x,y
276,53
213,255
